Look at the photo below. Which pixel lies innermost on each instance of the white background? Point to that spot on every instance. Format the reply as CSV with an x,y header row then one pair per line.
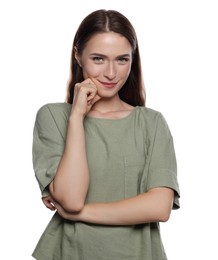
x,y
179,49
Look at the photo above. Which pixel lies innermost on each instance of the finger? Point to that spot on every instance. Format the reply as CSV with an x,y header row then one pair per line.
x,y
48,203
95,99
89,81
91,93
50,206
76,87
89,89
95,83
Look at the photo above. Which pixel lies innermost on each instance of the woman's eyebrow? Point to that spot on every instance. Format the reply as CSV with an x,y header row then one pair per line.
x,y
105,56
124,56
98,54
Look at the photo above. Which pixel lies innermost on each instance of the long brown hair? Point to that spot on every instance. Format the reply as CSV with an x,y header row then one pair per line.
x,y
101,21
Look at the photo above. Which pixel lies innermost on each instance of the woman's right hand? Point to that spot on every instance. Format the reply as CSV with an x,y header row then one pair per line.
x,y
85,95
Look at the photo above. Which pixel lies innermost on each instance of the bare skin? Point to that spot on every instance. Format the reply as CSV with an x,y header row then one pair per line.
x,y
71,181
106,62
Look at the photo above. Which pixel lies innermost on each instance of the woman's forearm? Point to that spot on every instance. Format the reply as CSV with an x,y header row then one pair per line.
x,y
152,206
71,181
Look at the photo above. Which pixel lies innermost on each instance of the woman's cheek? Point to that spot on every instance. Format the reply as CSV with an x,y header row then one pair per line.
x,y
91,71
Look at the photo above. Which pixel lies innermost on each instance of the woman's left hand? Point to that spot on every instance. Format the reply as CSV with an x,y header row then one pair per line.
x,y
49,202
74,216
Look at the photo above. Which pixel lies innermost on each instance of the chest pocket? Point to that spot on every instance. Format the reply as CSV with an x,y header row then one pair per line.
x,y
133,170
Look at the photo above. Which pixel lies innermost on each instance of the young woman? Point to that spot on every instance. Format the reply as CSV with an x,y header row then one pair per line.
x,y
104,161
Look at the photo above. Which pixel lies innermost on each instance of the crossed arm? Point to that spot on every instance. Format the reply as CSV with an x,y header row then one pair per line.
x,y
152,206
69,188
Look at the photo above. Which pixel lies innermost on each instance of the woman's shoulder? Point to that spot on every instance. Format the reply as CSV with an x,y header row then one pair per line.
x,y
53,116
59,106
54,109
151,118
50,113
149,113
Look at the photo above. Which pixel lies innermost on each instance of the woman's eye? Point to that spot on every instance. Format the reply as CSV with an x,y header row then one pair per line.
x,y
123,60
97,59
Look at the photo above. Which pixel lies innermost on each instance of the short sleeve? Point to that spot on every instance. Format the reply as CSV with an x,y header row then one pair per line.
x,y
162,169
47,148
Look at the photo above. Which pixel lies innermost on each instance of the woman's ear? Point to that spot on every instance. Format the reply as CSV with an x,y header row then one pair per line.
x,y
77,56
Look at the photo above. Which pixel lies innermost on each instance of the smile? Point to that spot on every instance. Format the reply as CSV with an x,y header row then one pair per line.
x,y
108,84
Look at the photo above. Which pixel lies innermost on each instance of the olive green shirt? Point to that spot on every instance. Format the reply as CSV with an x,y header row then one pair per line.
x,y
126,157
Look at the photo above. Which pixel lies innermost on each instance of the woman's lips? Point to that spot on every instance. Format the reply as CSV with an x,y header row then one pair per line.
x,y
108,84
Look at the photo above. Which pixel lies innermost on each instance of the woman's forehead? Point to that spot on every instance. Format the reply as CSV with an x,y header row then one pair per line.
x,y
103,42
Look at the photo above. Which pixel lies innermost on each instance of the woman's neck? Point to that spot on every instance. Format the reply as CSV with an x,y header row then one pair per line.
x,y
114,108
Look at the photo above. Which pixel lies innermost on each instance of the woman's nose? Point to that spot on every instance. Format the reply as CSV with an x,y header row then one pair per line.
x,y
110,71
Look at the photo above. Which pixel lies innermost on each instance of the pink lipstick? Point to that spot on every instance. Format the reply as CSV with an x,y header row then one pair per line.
x,y
108,84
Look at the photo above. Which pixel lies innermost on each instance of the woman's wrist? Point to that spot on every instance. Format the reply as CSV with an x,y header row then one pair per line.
x,y
76,117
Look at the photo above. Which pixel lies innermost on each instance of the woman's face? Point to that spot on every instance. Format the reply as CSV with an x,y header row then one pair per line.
x,y
106,59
